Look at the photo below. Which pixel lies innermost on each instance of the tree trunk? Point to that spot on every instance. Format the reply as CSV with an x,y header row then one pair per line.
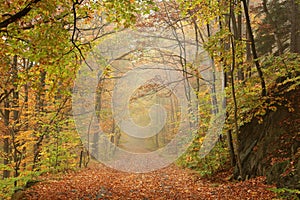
x,y
233,45
295,26
39,108
14,130
238,156
275,27
254,53
6,146
214,100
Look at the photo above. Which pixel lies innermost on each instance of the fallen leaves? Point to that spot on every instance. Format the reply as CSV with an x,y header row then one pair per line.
x,y
101,182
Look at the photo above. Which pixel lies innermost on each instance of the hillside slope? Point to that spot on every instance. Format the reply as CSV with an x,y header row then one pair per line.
x,y
272,148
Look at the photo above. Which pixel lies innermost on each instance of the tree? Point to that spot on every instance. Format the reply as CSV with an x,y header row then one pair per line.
x,y
42,46
278,17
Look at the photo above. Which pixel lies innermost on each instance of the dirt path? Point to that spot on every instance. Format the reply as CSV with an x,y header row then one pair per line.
x,y
100,182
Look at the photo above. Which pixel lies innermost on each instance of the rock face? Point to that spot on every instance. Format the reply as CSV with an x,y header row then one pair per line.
x,y
272,148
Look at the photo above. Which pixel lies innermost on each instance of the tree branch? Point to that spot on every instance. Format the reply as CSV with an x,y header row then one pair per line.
x,y
73,39
18,15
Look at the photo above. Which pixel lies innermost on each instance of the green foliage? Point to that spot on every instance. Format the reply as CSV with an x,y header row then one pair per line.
x,y
277,21
286,193
7,185
45,69
125,12
208,165
60,151
205,11
282,73
47,64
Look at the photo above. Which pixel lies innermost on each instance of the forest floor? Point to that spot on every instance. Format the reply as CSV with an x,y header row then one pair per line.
x,y
100,182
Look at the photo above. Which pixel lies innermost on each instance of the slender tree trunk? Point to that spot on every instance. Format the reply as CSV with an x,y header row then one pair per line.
x,y
214,100
231,148
248,56
254,53
295,26
39,109
238,157
14,130
40,94
241,74
6,146
275,27
226,83
237,32
237,143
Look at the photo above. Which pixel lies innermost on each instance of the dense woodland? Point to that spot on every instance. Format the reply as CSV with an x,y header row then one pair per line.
x,y
247,49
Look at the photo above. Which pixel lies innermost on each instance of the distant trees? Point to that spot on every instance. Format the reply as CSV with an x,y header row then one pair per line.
x,y
238,43
278,31
42,46
43,43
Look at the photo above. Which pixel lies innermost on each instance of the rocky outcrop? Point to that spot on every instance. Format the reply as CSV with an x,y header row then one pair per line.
x,y
272,148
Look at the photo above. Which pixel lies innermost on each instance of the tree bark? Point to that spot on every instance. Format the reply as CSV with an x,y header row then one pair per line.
x,y
14,130
236,127
295,26
238,157
214,100
6,146
275,27
254,53
18,15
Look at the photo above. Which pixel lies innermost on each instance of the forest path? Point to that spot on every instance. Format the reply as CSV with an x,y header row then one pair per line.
x,y
100,182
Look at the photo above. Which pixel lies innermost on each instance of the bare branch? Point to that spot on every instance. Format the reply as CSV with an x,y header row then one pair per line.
x,y
18,15
74,32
